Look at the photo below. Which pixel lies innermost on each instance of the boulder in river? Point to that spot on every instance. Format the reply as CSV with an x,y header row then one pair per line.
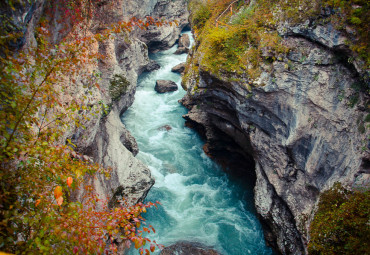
x,y
184,41
178,68
181,50
151,66
162,86
187,248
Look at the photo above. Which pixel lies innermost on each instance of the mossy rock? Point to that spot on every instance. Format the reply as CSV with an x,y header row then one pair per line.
x,y
340,225
118,87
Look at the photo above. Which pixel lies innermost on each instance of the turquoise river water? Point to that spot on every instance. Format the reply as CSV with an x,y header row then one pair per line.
x,y
199,202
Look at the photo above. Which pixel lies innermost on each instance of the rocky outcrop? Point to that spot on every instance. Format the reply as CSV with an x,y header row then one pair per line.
x,y
302,122
163,86
163,37
152,66
184,41
178,68
185,248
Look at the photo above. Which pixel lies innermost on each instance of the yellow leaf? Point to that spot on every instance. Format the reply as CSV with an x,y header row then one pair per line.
x,y
58,192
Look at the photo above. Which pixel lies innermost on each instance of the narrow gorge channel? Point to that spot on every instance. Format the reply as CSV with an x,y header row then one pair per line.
x,y
199,202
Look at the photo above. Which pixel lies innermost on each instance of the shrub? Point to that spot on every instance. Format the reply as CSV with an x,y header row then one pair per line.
x,y
340,225
200,15
118,86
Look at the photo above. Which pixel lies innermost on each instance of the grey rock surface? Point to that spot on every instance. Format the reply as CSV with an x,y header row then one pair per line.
x,y
181,50
152,66
163,86
187,248
178,68
105,138
184,41
297,122
164,37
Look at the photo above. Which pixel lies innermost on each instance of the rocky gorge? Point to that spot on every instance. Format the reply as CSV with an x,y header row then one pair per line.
x,y
296,129
295,124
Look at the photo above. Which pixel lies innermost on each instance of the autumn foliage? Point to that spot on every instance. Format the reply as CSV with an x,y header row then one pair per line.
x,y
39,168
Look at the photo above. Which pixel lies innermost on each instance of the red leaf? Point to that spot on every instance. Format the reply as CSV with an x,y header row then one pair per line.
x,y
152,247
69,181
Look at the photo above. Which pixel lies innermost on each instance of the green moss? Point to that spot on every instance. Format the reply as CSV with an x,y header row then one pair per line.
x,y
340,225
353,100
235,44
118,87
367,118
361,128
200,13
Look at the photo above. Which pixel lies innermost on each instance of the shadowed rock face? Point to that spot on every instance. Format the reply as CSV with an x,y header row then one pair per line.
x,y
297,125
163,86
178,68
187,248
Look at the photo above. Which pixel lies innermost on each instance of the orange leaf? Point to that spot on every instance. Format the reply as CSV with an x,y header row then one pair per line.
x,y
37,202
69,181
152,247
58,192
60,200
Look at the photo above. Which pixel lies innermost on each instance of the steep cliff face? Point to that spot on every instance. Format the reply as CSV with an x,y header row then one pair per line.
x,y
302,122
104,137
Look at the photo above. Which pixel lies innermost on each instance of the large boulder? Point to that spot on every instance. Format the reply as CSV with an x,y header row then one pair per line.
x,y
185,248
151,66
178,68
181,50
184,41
162,86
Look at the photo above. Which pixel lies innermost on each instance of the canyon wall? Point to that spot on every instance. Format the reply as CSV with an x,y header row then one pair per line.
x,y
104,137
298,120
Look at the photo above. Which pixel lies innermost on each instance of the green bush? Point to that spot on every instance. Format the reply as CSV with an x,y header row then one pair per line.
x,y
341,224
118,86
200,14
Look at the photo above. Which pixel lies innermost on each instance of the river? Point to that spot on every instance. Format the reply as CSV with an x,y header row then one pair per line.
x,y
199,202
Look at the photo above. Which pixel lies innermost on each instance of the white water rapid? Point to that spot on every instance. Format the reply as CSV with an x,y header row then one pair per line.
x,y
199,202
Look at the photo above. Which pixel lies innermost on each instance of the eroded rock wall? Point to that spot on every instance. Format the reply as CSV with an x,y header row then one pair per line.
x,y
104,137
298,123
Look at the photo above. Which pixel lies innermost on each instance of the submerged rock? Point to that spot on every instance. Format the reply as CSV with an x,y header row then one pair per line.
x,y
162,86
165,128
178,68
187,248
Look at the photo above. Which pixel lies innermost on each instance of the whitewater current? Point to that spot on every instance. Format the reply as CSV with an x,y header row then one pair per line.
x,y
199,202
